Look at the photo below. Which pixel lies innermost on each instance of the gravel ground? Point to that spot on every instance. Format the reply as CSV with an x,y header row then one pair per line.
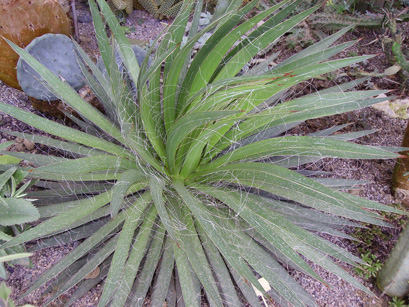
x,y
378,172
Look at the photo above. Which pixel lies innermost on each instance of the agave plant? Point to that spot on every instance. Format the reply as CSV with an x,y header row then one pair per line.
x,y
189,185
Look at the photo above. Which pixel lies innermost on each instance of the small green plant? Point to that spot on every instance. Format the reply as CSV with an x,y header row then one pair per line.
x,y
189,184
371,267
5,300
340,6
397,302
14,209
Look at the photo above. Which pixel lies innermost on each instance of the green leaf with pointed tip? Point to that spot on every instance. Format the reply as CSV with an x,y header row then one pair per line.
x,y
211,54
89,243
63,131
87,268
192,247
294,111
101,35
14,257
184,126
58,144
72,235
157,191
149,267
185,277
293,186
237,62
218,235
69,95
165,271
62,220
120,255
17,211
7,159
138,251
88,164
127,53
228,292
119,192
302,146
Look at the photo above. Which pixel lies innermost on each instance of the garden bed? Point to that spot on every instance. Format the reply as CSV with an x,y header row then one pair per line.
x,y
377,172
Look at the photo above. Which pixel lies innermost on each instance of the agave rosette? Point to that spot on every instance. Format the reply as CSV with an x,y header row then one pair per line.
x,y
192,185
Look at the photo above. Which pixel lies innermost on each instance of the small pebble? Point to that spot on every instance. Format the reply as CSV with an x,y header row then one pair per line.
x,y
19,147
29,144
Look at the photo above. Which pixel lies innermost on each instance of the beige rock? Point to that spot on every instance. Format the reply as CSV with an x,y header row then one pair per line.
x,y
29,144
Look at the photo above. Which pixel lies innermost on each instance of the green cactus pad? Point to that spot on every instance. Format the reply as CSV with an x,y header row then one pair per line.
x,y
57,53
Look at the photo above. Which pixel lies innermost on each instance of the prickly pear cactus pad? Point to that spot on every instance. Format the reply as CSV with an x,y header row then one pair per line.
x,y
21,21
57,53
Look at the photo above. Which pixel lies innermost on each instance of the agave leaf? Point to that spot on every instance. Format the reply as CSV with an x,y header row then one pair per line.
x,y
157,191
151,263
170,76
245,288
355,135
138,251
93,176
302,146
161,286
224,6
120,255
97,83
36,159
72,235
86,165
88,284
101,35
58,144
219,269
369,204
274,224
127,179
253,253
227,248
185,277
296,111
340,183
69,95
192,247
14,257
184,126
237,62
89,243
76,254
193,155
63,131
313,49
209,57
281,114
293,186
289,209
271,22
87,268
330,266
63,189
129,58
65,219
319,56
